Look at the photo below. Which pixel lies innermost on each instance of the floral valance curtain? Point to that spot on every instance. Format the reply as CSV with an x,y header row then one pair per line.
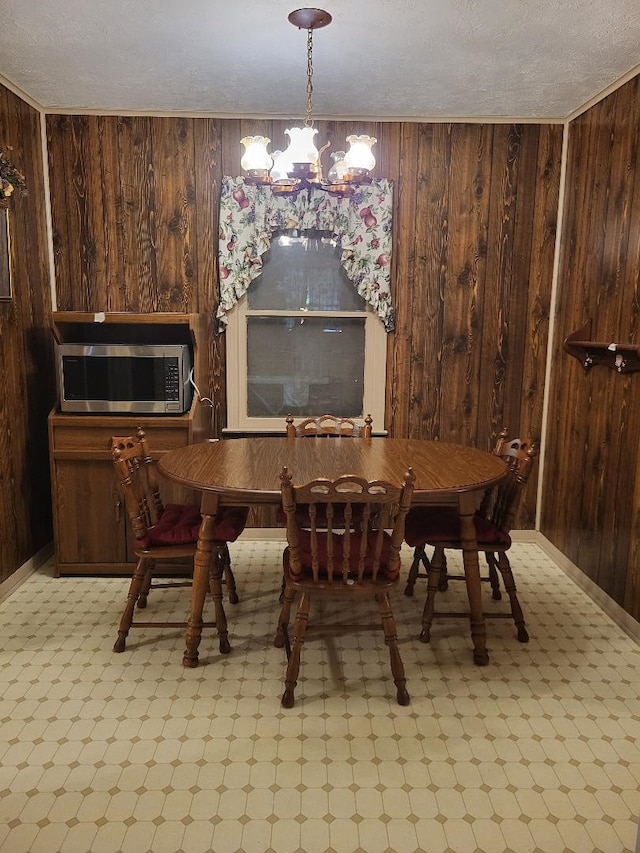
x,y
361,224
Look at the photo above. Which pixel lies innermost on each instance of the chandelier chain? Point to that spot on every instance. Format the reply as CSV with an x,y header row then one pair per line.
x,y
309,121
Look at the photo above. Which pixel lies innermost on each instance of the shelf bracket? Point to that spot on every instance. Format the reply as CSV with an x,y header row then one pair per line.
x,y
623,358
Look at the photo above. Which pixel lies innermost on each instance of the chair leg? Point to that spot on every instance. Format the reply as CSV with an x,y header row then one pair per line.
x,y
419,556
443,580
293,666
391,639
215,588
137,582
146,586
510,588
437,565
494,580
282,632
229,579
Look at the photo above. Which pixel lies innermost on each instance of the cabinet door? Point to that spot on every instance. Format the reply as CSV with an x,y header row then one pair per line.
x,y
90,513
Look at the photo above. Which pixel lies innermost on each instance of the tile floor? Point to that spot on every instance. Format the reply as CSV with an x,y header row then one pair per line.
x,y
99,753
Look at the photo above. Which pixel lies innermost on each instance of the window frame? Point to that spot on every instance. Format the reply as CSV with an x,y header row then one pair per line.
x,y
375,366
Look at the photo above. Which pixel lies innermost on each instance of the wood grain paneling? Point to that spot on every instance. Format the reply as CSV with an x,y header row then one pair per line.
x,y
474,282
471,276
589,506
26,378
207,177
124,207
134,215
400,354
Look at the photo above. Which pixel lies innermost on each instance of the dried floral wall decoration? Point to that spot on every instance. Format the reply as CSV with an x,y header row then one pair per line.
x,y
11,179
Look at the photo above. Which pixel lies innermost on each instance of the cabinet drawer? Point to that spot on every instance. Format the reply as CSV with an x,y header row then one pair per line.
x,y
95,441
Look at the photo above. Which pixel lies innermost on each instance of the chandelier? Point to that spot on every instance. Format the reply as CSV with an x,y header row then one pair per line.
x,y
299,166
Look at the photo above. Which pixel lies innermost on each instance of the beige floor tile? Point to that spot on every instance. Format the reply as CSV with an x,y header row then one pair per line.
x,y
131,753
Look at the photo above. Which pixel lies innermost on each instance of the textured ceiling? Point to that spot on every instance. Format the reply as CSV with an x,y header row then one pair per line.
x,y
417,59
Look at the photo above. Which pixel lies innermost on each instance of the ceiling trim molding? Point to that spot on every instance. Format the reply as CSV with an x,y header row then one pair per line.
x,y
605,93
368,119
21,94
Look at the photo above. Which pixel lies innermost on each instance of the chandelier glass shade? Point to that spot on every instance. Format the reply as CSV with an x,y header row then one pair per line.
x,y
359,157
299,166
256,160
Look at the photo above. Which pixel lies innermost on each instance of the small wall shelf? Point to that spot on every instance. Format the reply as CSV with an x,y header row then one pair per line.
x,y
623,358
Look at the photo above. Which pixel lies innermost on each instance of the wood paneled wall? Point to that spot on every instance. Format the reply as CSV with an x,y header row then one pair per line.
x,y
27,390
591,500
134,207
134,210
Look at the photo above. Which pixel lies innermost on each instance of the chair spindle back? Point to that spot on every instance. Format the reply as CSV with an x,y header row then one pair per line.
x,y
328,425
139,480
338,553
501,503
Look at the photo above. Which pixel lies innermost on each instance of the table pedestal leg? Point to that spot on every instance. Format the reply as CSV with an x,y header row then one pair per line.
x,y
207,574
472,578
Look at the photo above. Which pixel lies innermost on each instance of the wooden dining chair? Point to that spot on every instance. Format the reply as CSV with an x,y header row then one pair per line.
x,y
164,533
439,527
335,561
324,426
329,425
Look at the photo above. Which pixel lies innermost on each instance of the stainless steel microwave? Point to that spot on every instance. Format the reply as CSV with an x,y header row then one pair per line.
x,y
148,379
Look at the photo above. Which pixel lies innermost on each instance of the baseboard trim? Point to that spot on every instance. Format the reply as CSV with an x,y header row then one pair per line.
x,y
265,534
8,586
530,536
620,616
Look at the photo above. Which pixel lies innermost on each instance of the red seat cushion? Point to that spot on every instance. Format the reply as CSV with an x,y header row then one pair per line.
x,y
230,522
179,524
304,541
438,524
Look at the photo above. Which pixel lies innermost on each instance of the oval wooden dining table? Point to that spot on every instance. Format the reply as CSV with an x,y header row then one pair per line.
x,y
246,471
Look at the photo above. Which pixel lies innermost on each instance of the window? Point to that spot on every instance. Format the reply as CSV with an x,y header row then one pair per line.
x,y
303,342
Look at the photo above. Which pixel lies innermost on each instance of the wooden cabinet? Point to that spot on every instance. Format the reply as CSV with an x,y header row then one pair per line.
x,y
89,514
91,528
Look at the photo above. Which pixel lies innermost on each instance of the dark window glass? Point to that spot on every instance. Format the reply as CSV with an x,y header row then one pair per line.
x,y
302,271
305,366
